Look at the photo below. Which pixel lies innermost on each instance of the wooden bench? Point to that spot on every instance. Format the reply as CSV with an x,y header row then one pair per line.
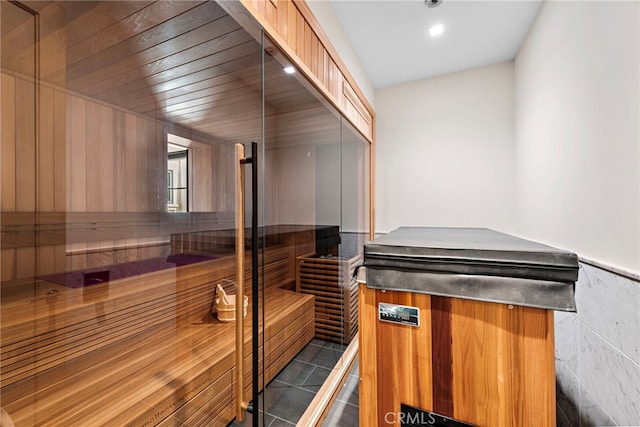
x,y
332,282
143,350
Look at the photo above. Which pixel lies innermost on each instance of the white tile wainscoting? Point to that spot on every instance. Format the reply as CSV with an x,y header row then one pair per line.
x,y
598,351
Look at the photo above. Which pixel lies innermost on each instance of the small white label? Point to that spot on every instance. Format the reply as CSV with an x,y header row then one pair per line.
x,y
402,314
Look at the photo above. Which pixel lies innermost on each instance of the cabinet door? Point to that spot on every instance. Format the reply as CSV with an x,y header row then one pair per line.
x,y
292,25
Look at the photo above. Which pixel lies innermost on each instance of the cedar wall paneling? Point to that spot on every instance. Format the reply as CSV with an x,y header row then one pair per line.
x,y
295,184
8,141
89,158
116,163
25,146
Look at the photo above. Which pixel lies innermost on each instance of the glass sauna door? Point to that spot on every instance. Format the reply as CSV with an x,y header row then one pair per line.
x,y
119,124
313,205
121,193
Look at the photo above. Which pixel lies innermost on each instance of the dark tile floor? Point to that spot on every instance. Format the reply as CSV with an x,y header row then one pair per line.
x,y
293,389
344,411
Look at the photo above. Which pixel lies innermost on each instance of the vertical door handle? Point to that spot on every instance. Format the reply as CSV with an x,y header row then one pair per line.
x,y
240,160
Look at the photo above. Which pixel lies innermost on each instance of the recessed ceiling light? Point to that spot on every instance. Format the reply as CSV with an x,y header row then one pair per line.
x,y
290,69
436,30
432,3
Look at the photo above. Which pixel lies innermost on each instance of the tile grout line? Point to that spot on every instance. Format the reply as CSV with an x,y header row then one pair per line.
x,y
315,366
347,403
625,355
309,375
583,322
559,409
584,389
280,419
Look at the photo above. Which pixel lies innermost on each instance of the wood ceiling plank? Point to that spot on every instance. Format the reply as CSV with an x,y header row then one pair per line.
x,y
174,34
183,62
218,101
237,80
58,14
174,52
205,68
136,23
18,45
54,45
209,102
234,60
247,109
234,130
103,15
53,15
288,100
238,101
231,90
229,86
38,5
12,17
224,93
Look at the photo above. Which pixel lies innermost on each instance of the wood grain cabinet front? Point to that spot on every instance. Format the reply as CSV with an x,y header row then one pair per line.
x,y
481,363
292,26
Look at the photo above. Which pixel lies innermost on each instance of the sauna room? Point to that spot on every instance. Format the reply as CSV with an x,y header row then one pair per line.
x,y
160,158
189,190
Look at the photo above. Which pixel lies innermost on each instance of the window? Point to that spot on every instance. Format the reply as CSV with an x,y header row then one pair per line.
x,y
177,178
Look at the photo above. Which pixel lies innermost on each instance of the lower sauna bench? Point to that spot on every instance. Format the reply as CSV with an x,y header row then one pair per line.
x,y
140,352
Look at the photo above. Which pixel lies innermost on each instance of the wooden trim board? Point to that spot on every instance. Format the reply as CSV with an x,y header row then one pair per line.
x,y
319,406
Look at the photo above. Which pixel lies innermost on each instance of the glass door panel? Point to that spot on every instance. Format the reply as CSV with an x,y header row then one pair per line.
x,y
302,207
355,209
110,270
355,188
120,196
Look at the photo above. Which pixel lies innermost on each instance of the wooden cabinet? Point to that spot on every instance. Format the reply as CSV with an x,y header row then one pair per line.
x,y
483,363
292,26
355,110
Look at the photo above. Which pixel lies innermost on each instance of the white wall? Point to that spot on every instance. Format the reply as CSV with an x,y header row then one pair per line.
x,y
577,164
573,179
577,130
326,16
445,151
